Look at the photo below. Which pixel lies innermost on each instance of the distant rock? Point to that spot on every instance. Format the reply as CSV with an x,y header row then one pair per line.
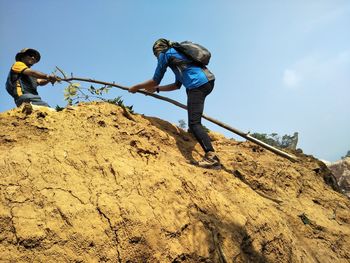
x,y
341,170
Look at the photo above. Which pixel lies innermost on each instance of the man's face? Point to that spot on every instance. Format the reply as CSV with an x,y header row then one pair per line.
x,y
29,60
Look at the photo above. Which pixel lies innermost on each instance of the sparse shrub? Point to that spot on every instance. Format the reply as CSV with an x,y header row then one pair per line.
x,y
118,101
75,93
182,124
273,139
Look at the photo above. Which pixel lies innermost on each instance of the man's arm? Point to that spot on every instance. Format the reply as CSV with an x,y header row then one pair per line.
x,y
42,82
151,84
168,87
148,84
42,78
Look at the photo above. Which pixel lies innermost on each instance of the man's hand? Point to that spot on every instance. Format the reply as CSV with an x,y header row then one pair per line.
x,y
42,81
146,85
133,89
53,78
151,89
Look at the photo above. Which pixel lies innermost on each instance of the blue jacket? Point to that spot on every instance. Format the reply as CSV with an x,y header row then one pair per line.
x,y
186,73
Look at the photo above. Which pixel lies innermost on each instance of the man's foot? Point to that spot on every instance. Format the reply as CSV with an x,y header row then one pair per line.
x,y
210,160
27,108
39,107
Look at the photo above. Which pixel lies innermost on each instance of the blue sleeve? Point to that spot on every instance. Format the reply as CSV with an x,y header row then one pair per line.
x,y
161,68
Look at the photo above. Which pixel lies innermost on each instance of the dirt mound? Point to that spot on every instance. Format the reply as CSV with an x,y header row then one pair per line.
x,y
96,184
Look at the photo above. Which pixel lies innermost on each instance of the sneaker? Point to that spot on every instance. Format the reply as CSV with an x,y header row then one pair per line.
x,y
43,108
27,108
210,160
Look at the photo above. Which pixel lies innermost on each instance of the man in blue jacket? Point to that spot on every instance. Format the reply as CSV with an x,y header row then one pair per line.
x,y
199,83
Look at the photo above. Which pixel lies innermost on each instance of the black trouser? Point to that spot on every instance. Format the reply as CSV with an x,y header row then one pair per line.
x,y
195,107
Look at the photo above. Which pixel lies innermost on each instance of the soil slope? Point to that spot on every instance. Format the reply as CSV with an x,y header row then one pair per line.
x,y
97,184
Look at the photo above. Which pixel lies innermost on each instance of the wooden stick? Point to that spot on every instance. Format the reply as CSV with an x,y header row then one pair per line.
x,y
221,124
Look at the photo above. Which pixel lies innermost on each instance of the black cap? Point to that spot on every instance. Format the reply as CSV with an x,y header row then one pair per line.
x,y
28,51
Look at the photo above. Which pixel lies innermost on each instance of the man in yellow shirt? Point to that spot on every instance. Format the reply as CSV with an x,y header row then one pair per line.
x,y
22,81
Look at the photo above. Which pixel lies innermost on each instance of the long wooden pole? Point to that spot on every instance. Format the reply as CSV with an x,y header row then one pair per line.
x,y
221,124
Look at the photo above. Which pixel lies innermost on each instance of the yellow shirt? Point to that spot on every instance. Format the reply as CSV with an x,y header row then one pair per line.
x,y
19,67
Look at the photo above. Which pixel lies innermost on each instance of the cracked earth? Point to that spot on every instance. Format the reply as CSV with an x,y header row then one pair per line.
x,y
96,184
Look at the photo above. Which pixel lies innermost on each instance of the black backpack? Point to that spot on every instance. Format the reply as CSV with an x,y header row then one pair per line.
x,y
195,52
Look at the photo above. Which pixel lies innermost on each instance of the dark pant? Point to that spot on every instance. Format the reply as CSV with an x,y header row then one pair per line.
x,y
195,107
33,99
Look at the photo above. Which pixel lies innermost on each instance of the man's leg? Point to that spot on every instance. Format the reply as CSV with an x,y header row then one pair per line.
x,y
33,99
195,107
39,102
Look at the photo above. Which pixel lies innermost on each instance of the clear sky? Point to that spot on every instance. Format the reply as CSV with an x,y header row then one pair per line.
x,y
280,66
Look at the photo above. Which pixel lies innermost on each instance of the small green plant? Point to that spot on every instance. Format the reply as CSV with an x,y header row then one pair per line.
x,y
75,93
59,108
118,101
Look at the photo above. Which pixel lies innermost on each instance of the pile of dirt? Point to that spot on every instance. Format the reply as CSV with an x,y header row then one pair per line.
x,y
98,184
341,170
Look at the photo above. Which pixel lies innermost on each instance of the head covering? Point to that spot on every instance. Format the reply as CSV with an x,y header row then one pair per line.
x,y
28,51
161,45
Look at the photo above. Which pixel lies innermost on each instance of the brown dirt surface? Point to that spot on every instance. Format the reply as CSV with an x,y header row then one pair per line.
x,y
96,184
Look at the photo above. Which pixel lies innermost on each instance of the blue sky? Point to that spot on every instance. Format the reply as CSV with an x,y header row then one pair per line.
x,y
280,66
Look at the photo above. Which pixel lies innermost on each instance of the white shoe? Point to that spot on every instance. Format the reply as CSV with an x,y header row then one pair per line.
x,y
210,160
